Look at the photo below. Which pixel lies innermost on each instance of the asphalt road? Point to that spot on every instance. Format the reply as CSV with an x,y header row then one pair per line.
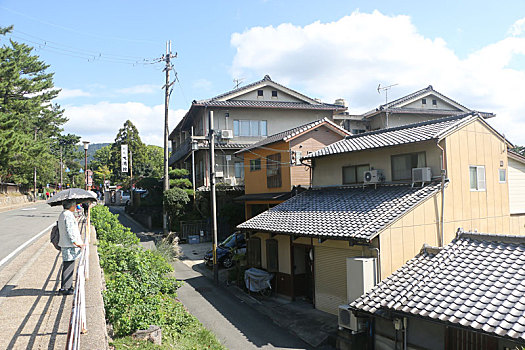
x,y
236,324
18,226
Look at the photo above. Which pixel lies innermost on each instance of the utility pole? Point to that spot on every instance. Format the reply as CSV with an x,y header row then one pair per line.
x,y
131,176
167,58
61,168
213,199
34,174
193,165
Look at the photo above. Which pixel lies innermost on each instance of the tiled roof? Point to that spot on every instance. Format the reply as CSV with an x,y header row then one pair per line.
x,y
477,281
411,133
229,145
268,104
287,134
342,213
399,102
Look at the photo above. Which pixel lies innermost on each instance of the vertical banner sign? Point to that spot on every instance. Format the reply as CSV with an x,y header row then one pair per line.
x,y
124,158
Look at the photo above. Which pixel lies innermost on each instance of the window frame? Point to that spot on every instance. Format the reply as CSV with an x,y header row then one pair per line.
x,y
355,173
260,93
504,172
424,101
479,179
434,102
273,163
238,166
255,164
397,156
274,94
255,127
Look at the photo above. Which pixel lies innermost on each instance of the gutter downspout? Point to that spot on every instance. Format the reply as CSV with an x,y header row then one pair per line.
x,y
311,170
378,253
443,176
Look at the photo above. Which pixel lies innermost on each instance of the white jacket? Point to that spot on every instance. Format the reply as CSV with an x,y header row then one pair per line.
x,y
68,230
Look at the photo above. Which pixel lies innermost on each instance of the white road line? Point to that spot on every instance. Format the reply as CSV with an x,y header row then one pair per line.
x,y
6,259
29,209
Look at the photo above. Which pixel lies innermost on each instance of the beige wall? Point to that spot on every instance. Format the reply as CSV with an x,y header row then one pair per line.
x,y
440,104
267,96
328,170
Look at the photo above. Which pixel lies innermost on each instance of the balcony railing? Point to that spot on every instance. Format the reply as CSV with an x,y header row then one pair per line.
x,y
183,149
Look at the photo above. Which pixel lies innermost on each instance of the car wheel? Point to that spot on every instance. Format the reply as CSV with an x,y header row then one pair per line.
x,y
227,262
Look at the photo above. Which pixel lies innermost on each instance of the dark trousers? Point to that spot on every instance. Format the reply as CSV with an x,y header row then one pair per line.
x,y
68,268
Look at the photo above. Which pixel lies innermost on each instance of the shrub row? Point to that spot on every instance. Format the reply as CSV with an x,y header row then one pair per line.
x,y
139,289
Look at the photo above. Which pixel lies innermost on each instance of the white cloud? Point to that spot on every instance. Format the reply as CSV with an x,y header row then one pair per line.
x,y
71,93
139,89
517,27
350,57
100,122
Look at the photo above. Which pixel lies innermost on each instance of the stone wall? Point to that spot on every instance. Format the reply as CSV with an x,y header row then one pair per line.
x,y
14,200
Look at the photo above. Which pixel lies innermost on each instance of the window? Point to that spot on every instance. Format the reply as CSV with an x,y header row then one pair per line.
x,y
274,93
255,164
260,93
424,101
502,176
239,170
434,102
254,252
354,174
250,128
357,131
273,170
403,164
272,255
477,178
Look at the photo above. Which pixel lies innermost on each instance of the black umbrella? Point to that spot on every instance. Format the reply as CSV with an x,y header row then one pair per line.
x,y
77,194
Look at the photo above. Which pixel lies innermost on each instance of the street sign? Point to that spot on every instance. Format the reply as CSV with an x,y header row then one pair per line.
x,y
89,174
124,158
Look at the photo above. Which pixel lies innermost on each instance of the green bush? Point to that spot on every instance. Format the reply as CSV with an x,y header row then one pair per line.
x,y
175,200
178,173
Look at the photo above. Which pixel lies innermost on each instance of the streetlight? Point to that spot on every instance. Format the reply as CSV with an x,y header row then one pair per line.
x,y
86,146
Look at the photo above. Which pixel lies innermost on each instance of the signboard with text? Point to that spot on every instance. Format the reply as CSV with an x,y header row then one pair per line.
x,y
124,158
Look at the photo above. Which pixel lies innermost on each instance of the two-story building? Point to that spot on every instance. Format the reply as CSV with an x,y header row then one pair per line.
x,y
419,106
241,117
383,194
273,168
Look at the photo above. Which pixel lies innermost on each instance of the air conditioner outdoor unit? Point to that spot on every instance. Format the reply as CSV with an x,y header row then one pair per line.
x,y
227,134
346,319
421,174
229,181
373,176
219,174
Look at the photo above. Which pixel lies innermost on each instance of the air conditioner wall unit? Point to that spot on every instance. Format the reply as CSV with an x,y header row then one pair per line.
x,y
421,174
347,319
227,134
373,176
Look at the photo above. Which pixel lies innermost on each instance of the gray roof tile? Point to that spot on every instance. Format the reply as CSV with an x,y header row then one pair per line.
x,y
411,133
491,301
344,212
287,134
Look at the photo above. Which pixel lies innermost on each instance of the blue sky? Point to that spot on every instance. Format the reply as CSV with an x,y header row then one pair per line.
x,y
469,50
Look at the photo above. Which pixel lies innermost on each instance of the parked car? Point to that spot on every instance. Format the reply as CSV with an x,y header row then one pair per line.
x,y
234,244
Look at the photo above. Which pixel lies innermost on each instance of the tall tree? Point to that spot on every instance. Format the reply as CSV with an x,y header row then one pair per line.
x,y
29,121
128,135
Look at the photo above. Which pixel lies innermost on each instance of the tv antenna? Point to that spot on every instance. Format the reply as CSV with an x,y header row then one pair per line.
x,y
238,82
385,89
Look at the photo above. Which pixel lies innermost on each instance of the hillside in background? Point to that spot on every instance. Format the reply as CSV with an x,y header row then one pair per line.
x,y
91,150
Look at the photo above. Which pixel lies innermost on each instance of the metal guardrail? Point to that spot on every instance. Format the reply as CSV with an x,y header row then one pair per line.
x,y
77,321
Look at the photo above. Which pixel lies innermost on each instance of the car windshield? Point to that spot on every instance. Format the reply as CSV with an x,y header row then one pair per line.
x,y
229,242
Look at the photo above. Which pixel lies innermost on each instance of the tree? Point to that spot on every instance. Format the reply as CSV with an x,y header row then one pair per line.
x,y
29,122
101,164
175,201
127,135
520,150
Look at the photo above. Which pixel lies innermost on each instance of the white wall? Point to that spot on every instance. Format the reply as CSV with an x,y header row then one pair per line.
x,y
516,178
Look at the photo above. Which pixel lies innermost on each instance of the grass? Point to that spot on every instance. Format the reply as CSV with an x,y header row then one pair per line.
x,y
195,338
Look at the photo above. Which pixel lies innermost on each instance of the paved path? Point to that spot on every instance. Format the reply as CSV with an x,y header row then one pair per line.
x,y
18,226
236,324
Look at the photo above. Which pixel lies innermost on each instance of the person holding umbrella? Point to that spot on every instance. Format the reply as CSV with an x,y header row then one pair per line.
x,y
70,243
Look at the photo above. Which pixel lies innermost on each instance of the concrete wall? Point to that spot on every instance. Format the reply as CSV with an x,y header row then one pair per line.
x,y
421,335
328,171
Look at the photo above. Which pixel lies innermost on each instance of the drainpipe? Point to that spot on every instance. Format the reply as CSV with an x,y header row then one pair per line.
x,y
405,329
378,253
443,175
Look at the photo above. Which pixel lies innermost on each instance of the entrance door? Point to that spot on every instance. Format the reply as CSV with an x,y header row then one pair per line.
x,y
303,272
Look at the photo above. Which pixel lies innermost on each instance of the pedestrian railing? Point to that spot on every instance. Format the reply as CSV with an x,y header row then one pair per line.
x,y
77,322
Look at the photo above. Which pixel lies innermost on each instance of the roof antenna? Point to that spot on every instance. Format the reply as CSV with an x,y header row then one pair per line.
x,y
238,81
385,89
